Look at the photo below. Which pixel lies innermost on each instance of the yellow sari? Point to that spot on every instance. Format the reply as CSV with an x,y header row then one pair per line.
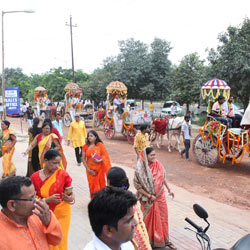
x,y
55,184
44,144
9,168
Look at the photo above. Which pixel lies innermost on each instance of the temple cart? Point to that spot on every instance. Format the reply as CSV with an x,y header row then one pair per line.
x,y
41,102
125,123
215,140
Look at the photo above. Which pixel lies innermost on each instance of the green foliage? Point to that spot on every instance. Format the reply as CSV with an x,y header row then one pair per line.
x,y
144,70
201,119
95,88
187,79
16,77
53,81
231,60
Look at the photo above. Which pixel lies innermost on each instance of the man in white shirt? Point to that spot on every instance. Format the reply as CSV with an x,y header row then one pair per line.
x,y
173,109
57,123
111,217
119,104
87,102
186,131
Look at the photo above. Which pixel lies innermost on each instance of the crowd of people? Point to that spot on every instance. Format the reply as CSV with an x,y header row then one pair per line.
x,y
36,209
40,203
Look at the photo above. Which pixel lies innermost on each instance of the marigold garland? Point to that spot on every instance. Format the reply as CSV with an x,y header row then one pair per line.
x,y
111,120
131,126
230,137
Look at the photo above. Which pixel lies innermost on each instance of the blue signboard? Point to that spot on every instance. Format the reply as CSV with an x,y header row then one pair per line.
x,y
12,100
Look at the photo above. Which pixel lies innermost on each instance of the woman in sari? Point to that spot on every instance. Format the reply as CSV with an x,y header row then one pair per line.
x,y
33,162
45,141
96,160
117,177
149,181
54,185
8,141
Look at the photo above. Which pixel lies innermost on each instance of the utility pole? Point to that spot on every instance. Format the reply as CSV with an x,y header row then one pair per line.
x,y
72,53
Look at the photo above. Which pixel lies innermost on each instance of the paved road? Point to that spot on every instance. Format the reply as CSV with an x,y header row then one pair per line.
x,y
228,224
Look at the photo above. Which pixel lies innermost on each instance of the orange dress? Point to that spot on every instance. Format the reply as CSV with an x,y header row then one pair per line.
x,y
55,184
98,181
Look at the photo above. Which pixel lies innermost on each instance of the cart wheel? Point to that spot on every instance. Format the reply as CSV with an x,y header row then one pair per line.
x,y
152,135
124,132
204,151
67,119
108,130
237,152
131,135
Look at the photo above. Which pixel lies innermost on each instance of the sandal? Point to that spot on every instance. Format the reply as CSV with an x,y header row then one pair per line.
x,y
170,245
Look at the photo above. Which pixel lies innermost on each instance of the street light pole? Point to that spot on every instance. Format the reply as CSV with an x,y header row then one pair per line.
x,y
3,75
72,53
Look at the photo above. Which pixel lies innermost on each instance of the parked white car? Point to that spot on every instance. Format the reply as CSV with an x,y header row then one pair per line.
x,y
166,109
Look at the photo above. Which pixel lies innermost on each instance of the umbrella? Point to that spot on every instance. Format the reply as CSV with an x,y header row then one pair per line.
x,y
117,87
214,88
40,88
71,86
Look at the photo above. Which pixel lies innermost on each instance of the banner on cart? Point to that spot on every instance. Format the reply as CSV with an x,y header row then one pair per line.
x,y
12,100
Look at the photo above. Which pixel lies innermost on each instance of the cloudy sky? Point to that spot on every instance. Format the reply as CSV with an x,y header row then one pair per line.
x,y
40,41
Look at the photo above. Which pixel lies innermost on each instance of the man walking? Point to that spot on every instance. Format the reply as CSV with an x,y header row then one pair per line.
x,y
151,109
111,216
186,132
57,123
25,222
141,140
78,133
29,116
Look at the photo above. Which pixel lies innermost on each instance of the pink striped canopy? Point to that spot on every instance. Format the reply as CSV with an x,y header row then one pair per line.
x,y
215,84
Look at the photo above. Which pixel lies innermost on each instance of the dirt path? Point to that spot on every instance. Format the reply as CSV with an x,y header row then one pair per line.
x,y
225,183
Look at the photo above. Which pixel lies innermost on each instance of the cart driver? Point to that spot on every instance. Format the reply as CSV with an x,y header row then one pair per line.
x,y
119,104
218,111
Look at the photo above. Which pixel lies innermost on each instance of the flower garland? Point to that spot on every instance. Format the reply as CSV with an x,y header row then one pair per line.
x,y
213,127
245,144
131,126
111,120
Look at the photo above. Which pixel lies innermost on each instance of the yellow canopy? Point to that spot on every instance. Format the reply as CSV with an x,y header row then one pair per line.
x,y
117,86
71,86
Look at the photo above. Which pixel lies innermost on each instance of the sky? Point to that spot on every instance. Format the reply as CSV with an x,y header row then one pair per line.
x,y
40,41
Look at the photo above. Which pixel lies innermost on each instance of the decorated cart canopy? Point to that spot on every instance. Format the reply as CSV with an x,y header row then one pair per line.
x,y
117,87
73,89
40,94
214,88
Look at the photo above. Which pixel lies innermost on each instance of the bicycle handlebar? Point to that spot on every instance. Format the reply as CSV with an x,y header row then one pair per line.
x,y
199,229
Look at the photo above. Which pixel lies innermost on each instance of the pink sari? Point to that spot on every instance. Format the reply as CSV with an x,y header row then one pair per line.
x,y
155,214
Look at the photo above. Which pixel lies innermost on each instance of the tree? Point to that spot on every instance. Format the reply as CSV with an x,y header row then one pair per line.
x,y
95,88
187,79
158,70
231,60
16,77
131,63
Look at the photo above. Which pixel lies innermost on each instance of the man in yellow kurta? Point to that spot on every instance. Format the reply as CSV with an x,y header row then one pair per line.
x,y
141,140
78,133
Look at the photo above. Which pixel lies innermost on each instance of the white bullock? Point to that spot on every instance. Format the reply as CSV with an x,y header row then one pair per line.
x,y
174,130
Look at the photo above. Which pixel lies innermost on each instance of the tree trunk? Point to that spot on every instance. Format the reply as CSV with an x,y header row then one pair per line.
x,y
245,103
187,108
142,104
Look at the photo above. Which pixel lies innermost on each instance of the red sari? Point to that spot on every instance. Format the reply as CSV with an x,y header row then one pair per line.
x,y
97,182
156,220
155,214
